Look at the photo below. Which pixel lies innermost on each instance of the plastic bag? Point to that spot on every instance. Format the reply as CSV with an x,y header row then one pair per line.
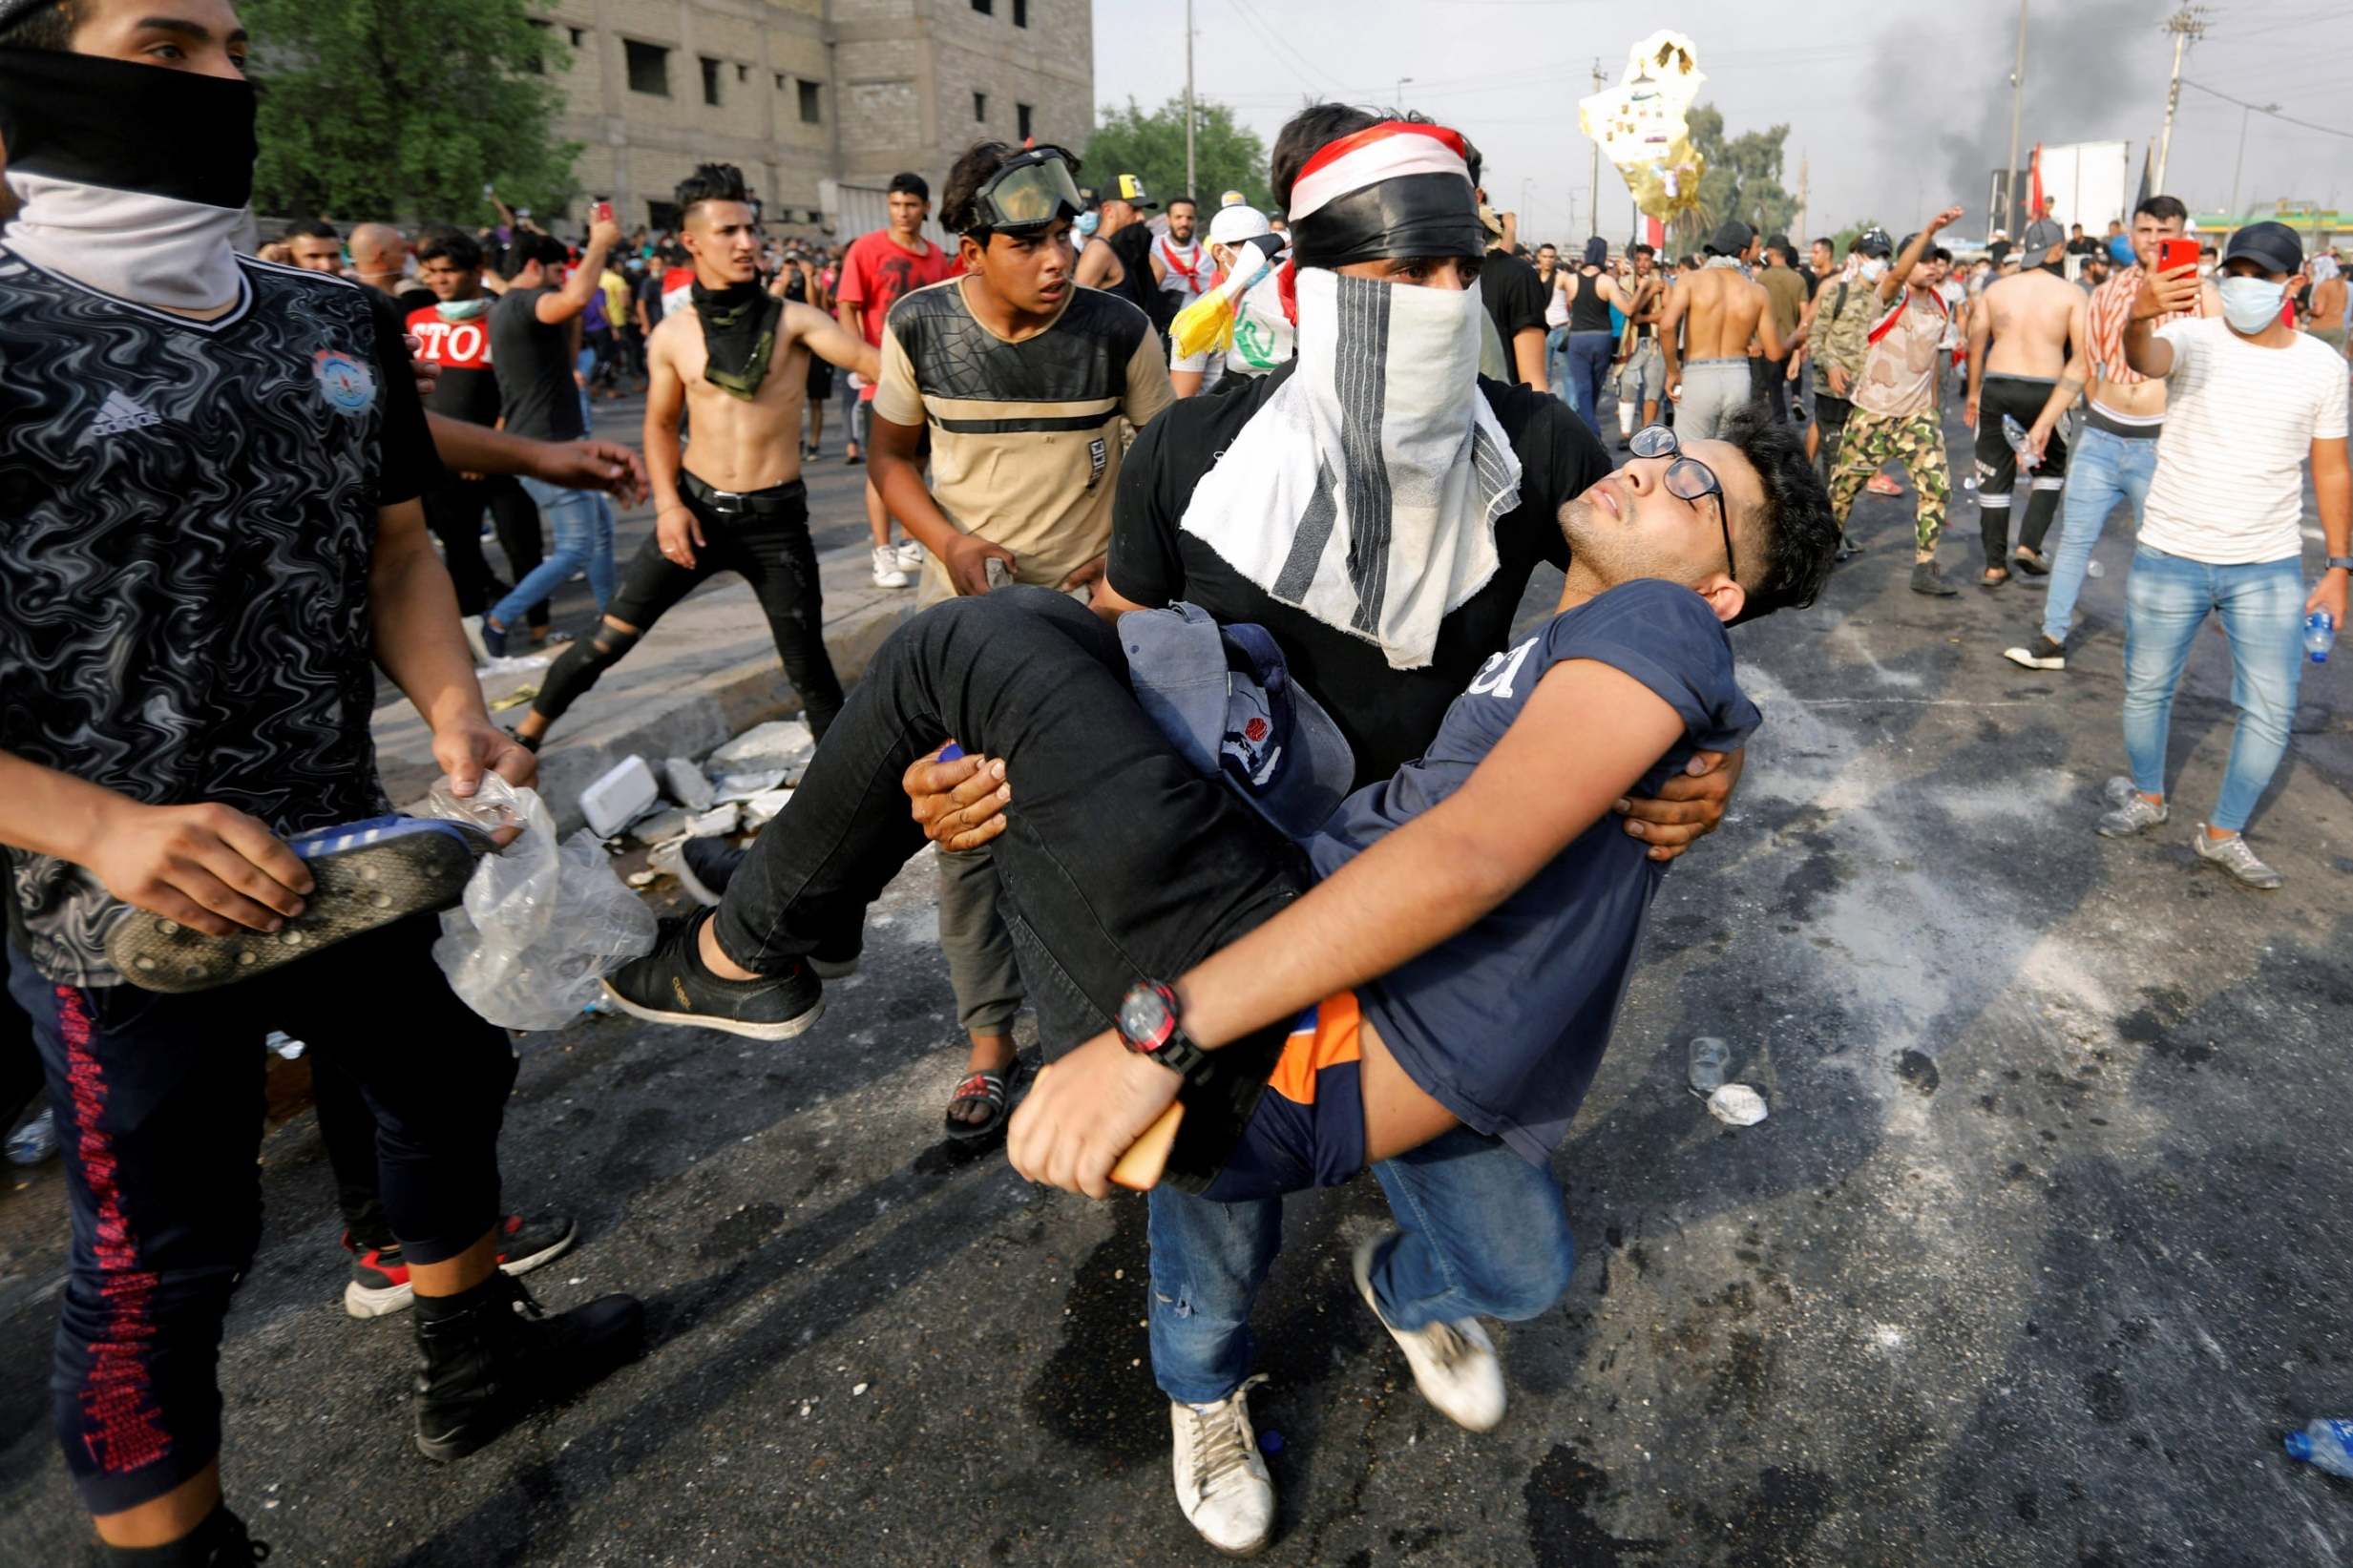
x,y
543,922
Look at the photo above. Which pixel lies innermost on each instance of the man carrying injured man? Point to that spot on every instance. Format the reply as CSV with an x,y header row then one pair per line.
x,y
1461,931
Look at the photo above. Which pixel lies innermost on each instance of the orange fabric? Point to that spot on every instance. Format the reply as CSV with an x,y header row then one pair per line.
x,y
1330,1040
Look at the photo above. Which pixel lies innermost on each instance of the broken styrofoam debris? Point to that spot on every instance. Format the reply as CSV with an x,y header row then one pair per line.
x,y
644,879
780,743
761,808
623,795
685,784
716,823
498,669
1737,1105
662,826
743,786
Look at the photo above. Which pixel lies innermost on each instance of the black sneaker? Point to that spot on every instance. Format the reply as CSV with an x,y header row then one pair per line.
x,y
706,868
492,1355
671,986
1928,579
2041,654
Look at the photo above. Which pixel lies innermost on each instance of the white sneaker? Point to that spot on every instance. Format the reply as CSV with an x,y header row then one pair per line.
x,y
2236,859
1455,1365
911,554
1221,1483
887,572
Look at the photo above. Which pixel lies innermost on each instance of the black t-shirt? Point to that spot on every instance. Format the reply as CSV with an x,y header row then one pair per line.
x,y
409,300
534,361
1514,295
1133,247
187,514
1389,715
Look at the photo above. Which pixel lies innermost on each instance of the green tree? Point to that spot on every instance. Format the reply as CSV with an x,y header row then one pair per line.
x,y
1743,179
1226,155
405,108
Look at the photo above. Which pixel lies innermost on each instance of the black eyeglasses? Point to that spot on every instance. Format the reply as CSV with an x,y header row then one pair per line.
x,y
1687,479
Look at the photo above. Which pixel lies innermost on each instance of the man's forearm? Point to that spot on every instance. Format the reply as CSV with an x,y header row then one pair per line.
x,y
900,484
1528,347
665,458
2140,350
2332,488
412,611
2071,382
46,812
467,447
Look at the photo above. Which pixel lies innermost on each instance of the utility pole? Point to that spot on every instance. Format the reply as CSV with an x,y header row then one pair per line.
x,y
1805,211
1593,200
2245,112
2018,105
2187,25
1189,181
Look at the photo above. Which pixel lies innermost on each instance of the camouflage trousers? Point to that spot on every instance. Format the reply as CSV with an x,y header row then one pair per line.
x,y
1917,441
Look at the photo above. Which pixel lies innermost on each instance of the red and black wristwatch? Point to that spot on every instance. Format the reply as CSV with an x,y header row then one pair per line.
x,y
1148,1025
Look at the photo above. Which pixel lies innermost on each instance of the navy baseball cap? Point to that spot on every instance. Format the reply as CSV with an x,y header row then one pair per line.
x,y
2271,246
1224,696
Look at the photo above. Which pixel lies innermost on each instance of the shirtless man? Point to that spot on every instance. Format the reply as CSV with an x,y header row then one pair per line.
x,y
1114,260
739,359
2117,453
1718,311
2033,321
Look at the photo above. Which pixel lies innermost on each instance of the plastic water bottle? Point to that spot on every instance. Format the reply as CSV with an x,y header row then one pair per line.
x,y
2325,1445
34,1141
2015,434
1709,1065
2320,635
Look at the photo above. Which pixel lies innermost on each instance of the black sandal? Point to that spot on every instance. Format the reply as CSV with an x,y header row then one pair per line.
x,y
1989,582
2033,562
996,1089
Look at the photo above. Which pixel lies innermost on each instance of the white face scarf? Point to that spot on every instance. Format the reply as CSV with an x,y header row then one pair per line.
x,y
1365,489
151,250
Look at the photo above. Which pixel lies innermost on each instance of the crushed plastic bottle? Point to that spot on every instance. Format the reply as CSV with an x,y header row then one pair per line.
x,y
1711,1062
34,1141
2325,1445
2095,569
2015,434
2320,635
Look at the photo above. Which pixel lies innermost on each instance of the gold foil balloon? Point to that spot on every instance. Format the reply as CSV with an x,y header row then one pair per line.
x,y
1640,127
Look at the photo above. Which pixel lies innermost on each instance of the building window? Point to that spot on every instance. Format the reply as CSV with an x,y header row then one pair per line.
x,y
980,108
649,68
811,113
710,81
742,73
577,36
1020,13
1021,120
986,8
662,217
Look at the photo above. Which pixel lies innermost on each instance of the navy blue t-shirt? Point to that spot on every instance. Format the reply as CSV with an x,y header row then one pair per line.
x,y
1504,1025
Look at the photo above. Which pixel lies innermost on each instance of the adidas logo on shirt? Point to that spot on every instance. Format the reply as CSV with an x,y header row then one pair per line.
x,y
122,414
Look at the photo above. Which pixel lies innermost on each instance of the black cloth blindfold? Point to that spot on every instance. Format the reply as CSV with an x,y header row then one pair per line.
x,y
1408,215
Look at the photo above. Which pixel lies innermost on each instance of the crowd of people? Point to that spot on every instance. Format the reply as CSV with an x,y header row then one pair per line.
x,y
1218,527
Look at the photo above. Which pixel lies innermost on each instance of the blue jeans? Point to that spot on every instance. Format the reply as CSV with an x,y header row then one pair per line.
x,y
1588,365
1485,1233
2263,606
579,525
1556,362
2104,469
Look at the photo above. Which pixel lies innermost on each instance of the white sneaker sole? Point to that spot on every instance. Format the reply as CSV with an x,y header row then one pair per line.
x,y
785,1031
2026,659
1362,1270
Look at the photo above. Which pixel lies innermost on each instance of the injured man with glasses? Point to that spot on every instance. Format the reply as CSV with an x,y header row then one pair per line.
x,y
1418,978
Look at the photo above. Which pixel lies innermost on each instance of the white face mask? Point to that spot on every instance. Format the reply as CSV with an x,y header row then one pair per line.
x,y
2250,305
1873,269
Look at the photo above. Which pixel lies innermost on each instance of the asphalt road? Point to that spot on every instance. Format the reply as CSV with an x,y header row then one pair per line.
x,y
2041,1250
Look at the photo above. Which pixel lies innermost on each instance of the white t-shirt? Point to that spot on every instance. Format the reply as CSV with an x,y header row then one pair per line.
x,y
2239,421
1263,339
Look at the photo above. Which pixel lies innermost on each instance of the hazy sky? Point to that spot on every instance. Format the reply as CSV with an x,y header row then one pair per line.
x,y
1896,109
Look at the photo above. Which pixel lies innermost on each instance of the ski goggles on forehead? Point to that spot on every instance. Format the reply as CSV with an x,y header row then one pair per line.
x,y
1687,479
1030,192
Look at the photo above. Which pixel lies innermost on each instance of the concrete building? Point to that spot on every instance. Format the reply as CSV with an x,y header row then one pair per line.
x,y
818,101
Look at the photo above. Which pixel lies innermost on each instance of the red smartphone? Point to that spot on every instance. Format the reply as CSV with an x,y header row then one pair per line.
x,y
601,212
2176,253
